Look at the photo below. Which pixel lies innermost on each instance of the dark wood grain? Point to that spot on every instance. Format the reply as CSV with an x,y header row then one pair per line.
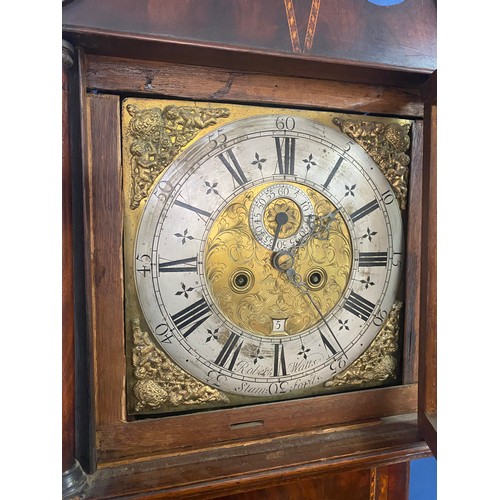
x,y
264,463
155,79
413,249
154,48
163,436
398,481
387,482
428,309
392,481
105,256
357,31
85,425
350,485
68,332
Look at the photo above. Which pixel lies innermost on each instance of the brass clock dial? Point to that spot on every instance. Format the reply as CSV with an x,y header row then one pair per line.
x,y
268,255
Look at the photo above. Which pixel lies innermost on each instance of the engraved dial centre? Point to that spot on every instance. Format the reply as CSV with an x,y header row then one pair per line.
x,y
246,278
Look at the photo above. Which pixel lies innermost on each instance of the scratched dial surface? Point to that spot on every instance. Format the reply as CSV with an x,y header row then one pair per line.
x,y
236,281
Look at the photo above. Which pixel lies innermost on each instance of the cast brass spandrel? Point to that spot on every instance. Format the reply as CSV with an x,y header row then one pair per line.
x,y
157,135
161,383
387,144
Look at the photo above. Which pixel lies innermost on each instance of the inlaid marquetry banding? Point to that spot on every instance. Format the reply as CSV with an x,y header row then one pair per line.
x,y
311,25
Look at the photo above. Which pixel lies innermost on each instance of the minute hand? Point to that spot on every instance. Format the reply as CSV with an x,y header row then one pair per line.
x,y
294,279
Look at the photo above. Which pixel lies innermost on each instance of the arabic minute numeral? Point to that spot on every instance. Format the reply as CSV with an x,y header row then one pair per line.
x,y
144,264
285,123
347,147
215,142
277,388
380,318
163,330
163,190
396,259
215,378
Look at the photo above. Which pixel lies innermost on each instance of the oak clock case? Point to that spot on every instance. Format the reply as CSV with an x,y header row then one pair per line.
x,y
264,253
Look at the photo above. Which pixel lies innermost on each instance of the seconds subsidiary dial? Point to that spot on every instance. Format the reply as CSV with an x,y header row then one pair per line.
x,y
274,248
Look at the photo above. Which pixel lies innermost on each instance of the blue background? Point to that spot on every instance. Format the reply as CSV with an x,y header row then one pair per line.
x,y
423,479
386,3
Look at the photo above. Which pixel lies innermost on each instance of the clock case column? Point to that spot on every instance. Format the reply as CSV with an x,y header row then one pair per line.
x,y
74,479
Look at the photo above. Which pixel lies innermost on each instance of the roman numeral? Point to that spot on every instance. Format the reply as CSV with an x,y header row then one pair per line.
x,y
230,347
178,266
286,158
233,167
199,211
327,344
371,259
359,306
368,208
333,172
279,360
192,316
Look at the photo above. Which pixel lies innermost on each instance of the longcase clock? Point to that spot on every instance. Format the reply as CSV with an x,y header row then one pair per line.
x,y
252,268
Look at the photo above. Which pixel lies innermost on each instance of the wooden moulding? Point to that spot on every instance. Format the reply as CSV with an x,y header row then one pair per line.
x,y
156,48
262,463
157,79
164,436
